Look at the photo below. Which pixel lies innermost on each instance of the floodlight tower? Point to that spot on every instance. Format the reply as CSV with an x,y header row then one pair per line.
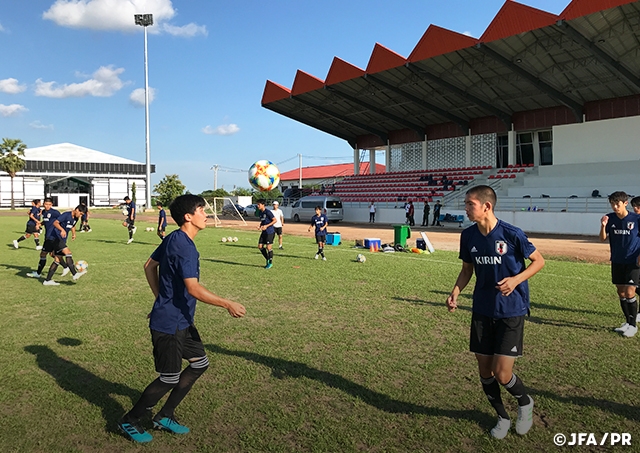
x,y
145,20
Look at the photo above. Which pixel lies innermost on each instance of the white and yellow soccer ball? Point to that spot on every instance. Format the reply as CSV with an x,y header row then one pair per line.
x,y
82,266
264,176
235,239
361,258
224,239
229,239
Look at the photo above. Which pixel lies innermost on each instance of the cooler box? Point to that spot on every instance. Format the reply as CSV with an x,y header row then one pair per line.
x,y
368,242
333,238
420,244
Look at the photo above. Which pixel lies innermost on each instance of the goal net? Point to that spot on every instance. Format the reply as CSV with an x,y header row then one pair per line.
x,y
224,212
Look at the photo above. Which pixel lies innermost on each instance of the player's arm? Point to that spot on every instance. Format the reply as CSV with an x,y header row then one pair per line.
x,y
507,285
133,213
603,228
56,224
463,280
159,221
324,227
204,295
151,272
73,233
32,217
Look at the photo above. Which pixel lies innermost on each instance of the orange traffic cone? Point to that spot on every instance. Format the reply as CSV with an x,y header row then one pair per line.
x,y
371,247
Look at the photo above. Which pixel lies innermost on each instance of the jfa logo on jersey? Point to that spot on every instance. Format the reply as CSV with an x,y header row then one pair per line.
x,y
501,247
630,225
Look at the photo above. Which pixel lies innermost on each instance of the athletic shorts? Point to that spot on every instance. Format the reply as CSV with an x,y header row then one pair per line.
x,y
266,238
321,238
162,228
130,222
278,230
59,245
31,228
49,245
625,274
170,349
492,336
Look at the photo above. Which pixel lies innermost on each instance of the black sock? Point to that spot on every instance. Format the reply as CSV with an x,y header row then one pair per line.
x,y
149,398
52,270
37,241
492,390
72,267
264,253
321,251
21,238
130,233
516,388
270,255
187,378
41,264
625,308
632,310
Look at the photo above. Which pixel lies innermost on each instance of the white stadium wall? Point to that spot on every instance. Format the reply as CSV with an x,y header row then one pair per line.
x,y
597,141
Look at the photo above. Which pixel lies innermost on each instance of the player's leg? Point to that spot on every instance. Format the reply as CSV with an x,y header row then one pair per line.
x,y
36,239
318,243
321,248
58,256
262,246
629,305
131,228
269,251
43,260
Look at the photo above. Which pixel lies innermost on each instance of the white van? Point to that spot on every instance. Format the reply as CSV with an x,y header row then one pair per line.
x,y
305,208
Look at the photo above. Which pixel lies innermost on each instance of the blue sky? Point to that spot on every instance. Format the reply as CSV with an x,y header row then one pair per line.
x,y
73,72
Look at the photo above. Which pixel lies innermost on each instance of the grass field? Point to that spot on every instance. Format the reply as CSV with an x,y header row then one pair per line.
x,y
332,356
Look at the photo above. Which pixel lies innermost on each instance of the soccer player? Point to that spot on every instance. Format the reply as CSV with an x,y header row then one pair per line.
x,y
49,215
621,226
279,215
33,225
84,225
496,252
265,243
320,222
130,221
162,220
173,271
58,234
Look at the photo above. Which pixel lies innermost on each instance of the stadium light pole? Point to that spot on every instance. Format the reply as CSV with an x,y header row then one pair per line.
x,y
215,176
145,20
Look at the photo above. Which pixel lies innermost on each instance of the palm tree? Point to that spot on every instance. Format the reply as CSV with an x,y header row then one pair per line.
x,y
11,153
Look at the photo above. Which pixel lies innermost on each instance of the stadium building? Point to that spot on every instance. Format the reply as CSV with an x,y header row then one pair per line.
x,y
322,174
72,174
545,108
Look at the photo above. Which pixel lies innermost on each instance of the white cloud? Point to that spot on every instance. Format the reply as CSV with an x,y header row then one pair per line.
x,y
12,110
137,96
2,29
105,82
186,31
118,15
38,125
223,129
11,86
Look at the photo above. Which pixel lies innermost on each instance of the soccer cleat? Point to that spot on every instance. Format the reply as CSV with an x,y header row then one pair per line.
x,y
50,283
89,230
623,328
135,432
82,231
15,244
130,241
638,318
33,274
324,258
269,266
280,248
65,271
525,418
501,429
78,275
317,256
170,424
38,247
630,332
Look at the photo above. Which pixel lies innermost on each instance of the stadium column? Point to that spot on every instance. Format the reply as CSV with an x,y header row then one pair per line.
x,y
512,146
424,153
356,161
372,161
467,150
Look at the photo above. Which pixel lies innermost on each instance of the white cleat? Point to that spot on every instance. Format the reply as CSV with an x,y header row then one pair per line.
x,y
630,332
623,328
130,241
525,418
317,256
50,283
501,429
38,247
15,244
324,258
89,230
33,274
65,271
638,318
78,275
134,229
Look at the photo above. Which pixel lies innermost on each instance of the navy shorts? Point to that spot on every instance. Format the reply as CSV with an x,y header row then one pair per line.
x,y
170,349
49,245
321,238
278,230
625,274
496,336
31,228
266,238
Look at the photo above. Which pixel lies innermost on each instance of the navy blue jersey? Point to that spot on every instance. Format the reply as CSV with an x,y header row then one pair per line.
x,y
66,221
35,212
319,221
174,308
47,220
131,210
624,241
498,255
266,217
162,218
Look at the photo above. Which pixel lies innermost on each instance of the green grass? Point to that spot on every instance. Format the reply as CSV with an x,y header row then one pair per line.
x,y
332,356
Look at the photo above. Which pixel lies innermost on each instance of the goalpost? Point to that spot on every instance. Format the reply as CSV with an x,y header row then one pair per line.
x,y
224,212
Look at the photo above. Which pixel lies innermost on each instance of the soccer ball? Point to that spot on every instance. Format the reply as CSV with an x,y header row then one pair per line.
x,y
361,258
224,239
81,266
235,239
125,211
229,239
264,176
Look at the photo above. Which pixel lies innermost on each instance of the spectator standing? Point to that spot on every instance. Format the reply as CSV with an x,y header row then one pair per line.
x,y
425,213
412,222
436,214
372,213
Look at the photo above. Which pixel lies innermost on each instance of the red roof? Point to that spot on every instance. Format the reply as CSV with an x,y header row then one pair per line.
x,y
328,171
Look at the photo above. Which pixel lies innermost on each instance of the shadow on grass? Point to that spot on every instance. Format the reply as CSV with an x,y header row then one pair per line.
x,y
281,369
21,270
234,263
73,378
123,242
628,411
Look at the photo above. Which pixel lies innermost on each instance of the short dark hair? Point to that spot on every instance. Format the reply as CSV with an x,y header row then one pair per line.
x,y
618,196
635,202
36,201
82,208
127,198
183,205
261,201
158,204
318,208
48,200
483,194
